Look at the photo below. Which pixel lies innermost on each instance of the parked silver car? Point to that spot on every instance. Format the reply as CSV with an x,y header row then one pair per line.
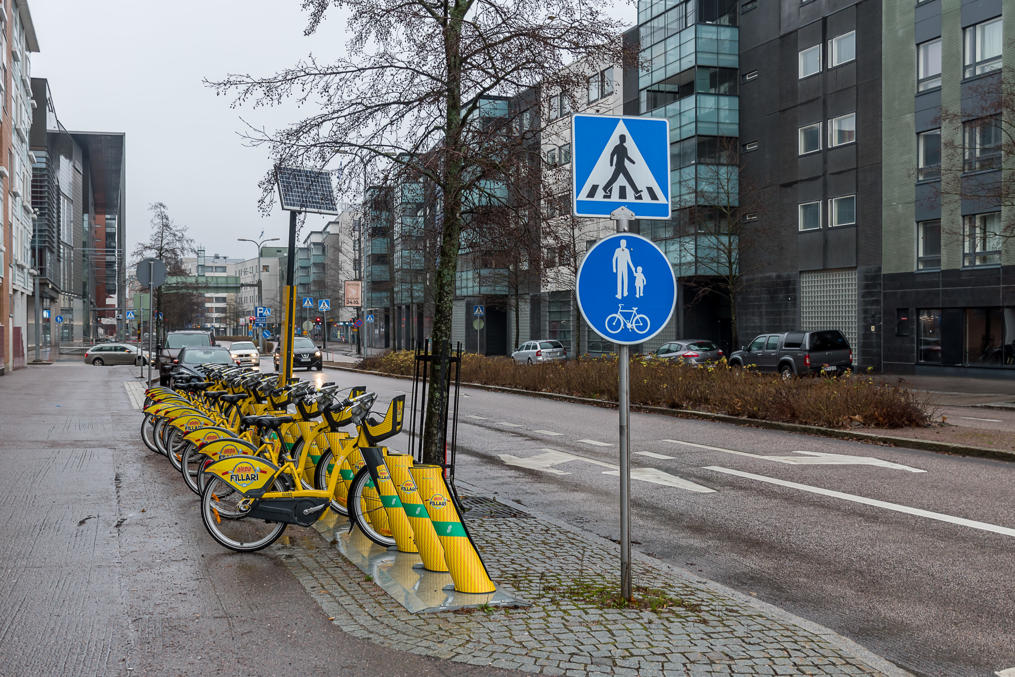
x,y
691,351
115,353
245,353
545,350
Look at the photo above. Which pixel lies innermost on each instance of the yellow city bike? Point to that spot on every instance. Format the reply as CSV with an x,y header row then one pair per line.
x,y
248,500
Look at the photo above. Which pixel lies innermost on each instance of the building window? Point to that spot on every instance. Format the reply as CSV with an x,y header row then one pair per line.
x,y
600,84
928,65
810,138
928,245
930,335
983,47
984,337
842,49
810,61
981,239
842,211
564,154
551,156
982,143
810,216
842,130
928,150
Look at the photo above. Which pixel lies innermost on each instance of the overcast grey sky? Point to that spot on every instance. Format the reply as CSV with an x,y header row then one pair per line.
x,y
136,66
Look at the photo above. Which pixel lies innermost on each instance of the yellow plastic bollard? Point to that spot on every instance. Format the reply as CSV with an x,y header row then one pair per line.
x,y
466,566
354,461
397,521
430,549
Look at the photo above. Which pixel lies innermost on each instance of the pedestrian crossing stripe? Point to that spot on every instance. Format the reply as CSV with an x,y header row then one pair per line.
x,y
620,161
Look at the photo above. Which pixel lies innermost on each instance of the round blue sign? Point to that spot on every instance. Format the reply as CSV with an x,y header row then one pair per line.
x,y
626,289
59,319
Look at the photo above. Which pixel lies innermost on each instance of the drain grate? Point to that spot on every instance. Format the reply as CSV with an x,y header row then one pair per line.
x,y
481,507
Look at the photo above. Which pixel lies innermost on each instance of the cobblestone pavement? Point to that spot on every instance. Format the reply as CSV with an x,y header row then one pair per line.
x,y
712,631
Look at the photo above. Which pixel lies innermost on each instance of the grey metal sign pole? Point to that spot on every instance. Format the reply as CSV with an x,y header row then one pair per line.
x,y
622,216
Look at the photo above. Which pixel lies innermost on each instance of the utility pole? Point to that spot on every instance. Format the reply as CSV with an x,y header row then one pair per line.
x,y
260,291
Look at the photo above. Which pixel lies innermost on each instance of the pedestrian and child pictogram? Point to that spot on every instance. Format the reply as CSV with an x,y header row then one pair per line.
x,y
620,161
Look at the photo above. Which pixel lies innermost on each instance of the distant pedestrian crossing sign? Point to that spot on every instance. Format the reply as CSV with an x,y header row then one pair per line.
x,y
130,314
620,162
323,305
308,302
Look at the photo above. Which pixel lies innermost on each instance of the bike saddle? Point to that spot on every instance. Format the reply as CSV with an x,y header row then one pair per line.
x,y
232,399
268,421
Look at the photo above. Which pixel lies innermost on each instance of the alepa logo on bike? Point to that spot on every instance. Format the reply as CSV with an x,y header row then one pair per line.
x,y
243,474
408,486
437,501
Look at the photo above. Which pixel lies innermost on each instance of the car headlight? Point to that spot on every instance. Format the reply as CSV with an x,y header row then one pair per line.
x,y
317,354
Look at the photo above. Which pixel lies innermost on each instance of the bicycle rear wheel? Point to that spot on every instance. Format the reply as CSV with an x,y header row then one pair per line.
x,y
148,432
229,525
175,445
191,467
367,510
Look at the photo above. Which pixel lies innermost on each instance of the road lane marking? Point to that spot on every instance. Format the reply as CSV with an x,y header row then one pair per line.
x,y
919,512
988,420
651,454
508,424
548,432
478,418
1010,672
596,443
545,461
135,392
808,458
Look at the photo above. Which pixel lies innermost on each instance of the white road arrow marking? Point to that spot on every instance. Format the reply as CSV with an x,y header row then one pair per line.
x,y
596,443
478,418
919,512
651,454
548,432
808,458
550,457
508,424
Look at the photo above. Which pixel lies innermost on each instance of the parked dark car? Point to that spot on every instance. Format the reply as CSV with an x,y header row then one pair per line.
x,y
175,342
796,353
191,356
691,351
305,354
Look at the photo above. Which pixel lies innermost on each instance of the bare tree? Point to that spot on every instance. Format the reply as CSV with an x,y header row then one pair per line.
x,y
170,242
419,79
972,141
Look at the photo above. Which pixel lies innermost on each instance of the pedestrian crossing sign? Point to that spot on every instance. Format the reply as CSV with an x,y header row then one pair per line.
x,y
620,162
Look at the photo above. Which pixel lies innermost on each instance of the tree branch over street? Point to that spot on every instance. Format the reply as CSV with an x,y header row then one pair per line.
x,y
413,82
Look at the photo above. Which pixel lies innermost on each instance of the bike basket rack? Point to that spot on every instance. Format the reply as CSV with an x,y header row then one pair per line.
x,y
451,362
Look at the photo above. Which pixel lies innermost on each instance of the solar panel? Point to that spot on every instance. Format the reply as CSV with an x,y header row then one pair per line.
x,y
305,190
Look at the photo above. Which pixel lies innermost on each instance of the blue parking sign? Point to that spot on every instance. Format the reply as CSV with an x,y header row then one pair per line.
x,y
626,289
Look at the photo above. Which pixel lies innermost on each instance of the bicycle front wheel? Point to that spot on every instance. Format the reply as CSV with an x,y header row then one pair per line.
x,y
614,323
640,324
191,466
367,511
148,432
229,526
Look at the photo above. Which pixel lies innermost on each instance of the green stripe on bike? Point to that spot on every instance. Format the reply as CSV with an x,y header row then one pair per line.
x,y
415,510
449,529
391,501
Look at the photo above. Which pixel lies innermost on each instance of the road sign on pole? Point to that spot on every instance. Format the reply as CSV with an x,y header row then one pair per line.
x,y
262,311
308,302
130,314
626,289
323,305
620,162
151,271
59,319
266,334
479,311
370,318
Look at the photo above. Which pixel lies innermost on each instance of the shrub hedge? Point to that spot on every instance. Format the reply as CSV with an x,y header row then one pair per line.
x,y
845,401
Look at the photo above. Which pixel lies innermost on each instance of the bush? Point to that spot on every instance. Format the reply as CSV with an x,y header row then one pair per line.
x,y
842,401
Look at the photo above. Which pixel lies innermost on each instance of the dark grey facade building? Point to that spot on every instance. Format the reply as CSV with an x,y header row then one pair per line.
x,y
811,153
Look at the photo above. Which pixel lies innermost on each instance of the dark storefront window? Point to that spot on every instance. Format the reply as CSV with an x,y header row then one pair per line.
x,y
930,336
984,337
560,320
903,325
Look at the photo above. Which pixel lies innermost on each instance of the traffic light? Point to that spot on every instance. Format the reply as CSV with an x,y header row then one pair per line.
x,y
318,320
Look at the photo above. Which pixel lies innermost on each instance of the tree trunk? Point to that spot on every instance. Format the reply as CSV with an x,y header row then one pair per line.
x,y
576,326
447,264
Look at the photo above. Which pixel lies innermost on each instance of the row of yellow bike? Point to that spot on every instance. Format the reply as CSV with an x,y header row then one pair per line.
x,y
262,457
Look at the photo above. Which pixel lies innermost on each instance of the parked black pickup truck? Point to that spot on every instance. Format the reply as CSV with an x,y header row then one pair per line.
x,y
795,353
175,341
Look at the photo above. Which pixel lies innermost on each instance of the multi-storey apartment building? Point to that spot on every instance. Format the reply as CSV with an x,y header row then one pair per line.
x,y
17,42
949,264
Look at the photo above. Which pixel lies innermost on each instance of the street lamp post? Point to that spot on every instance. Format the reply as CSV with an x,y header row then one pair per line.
x,y
260,299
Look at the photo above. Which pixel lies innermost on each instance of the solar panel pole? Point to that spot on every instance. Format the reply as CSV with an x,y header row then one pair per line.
x,y
286,350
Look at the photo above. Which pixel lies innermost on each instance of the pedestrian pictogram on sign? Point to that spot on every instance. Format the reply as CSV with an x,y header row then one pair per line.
x,y
620,162
478,311
626,289
130,314
370,317
323,305
262,311
308,302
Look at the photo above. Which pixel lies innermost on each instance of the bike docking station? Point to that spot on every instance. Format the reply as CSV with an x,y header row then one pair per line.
x,y
626,289
434,564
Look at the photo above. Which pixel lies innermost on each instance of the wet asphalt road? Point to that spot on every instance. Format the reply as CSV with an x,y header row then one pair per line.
x,y
106,567
930,592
